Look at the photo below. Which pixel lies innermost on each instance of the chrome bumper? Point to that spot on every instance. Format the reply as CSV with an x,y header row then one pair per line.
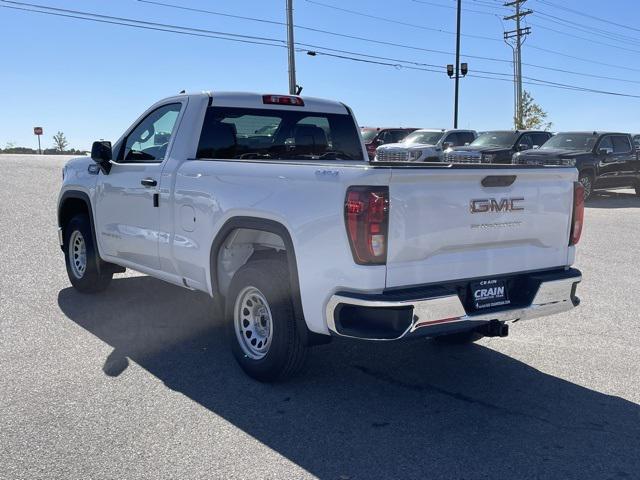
x,y
552,297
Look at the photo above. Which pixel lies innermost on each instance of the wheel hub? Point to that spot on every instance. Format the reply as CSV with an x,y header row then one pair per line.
x,y
77,254
253,323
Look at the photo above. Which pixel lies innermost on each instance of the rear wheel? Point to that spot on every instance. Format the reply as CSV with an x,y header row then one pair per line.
x,y
86,271
586,179
262,326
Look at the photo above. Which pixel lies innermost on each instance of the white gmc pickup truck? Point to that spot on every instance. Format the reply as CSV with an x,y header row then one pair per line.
x,y
268,203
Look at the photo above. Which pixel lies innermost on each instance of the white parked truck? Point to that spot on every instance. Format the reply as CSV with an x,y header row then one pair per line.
x,y
269,204
424,145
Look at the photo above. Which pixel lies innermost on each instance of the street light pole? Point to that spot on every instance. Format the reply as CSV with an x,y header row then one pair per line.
x,y
457,88
291,48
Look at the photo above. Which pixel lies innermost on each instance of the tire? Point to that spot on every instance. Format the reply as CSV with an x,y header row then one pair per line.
x,y
460,338
586,179
638,188
86,271
261,324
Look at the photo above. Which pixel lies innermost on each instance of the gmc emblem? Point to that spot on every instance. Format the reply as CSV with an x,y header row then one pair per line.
x,y
486,205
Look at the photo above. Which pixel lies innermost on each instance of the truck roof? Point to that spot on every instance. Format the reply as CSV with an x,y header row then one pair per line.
x,y
595,133
255,100
512,131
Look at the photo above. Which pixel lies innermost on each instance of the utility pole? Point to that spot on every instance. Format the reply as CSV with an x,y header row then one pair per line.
x,y
519,34
457,88
293,88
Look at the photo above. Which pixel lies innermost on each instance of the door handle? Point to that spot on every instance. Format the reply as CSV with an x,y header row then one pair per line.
x,y
148,182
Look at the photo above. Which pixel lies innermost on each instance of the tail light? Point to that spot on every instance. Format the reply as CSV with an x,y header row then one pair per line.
x,y
578,213
366,214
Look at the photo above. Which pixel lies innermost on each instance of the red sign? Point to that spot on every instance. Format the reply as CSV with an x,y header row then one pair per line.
x,y
37,130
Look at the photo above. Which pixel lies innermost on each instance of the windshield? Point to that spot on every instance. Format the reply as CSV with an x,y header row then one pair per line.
x,y
368,134
429,138
495,139
571,141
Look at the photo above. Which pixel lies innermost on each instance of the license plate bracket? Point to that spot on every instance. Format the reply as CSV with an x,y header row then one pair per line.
x,y
489,293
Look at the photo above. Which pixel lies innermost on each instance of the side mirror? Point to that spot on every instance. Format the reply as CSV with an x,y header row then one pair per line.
x,y
523,146
101,154
536,147
605,151
447,145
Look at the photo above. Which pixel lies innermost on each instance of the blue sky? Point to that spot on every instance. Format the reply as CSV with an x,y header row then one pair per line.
x,y
91,80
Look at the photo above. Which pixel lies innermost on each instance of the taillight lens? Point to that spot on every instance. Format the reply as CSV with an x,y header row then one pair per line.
x,y
366,214
578,213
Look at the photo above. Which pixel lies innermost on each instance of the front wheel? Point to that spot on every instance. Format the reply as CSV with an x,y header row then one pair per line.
x,y
262,326
86,271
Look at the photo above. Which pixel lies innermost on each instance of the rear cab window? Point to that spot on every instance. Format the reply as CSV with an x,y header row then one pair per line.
x,y
232,133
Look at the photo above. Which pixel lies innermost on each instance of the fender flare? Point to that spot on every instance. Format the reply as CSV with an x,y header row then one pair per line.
x,y
271,226
78,195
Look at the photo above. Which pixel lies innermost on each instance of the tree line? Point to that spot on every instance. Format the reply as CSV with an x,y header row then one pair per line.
x,y
60,147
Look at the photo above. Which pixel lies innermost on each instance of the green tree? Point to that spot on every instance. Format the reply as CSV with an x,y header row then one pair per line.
x,y
60,142
533,116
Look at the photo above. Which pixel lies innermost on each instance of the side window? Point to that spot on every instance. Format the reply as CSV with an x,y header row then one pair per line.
x,y
385,137
540,139
452,138
398,135
621,144
606,143
465,138
149,140
526,140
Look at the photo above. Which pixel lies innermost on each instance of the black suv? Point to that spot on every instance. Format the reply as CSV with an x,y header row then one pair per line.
x,y
603,159
497,146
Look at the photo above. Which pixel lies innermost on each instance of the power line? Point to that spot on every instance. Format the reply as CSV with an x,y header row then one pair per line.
x,y
586,39
398,22
328,32
591,30
593,17
143,22
582,59
465,9
394,44
132,23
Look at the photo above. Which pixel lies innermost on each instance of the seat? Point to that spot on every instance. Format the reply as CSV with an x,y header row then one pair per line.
x,y
310,140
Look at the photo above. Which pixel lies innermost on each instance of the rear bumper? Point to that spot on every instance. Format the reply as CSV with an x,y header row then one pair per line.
x,y
433,311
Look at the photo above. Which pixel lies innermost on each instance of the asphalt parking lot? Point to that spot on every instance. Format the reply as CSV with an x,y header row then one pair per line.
x,y
138,382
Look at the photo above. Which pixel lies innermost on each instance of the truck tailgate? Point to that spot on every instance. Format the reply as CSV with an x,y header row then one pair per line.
x,y
445,225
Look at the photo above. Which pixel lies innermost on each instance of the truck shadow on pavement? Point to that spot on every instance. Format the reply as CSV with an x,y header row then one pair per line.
x,y
364,410
613,199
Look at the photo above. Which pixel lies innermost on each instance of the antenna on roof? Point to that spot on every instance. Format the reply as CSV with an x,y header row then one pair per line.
x,y
183,91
